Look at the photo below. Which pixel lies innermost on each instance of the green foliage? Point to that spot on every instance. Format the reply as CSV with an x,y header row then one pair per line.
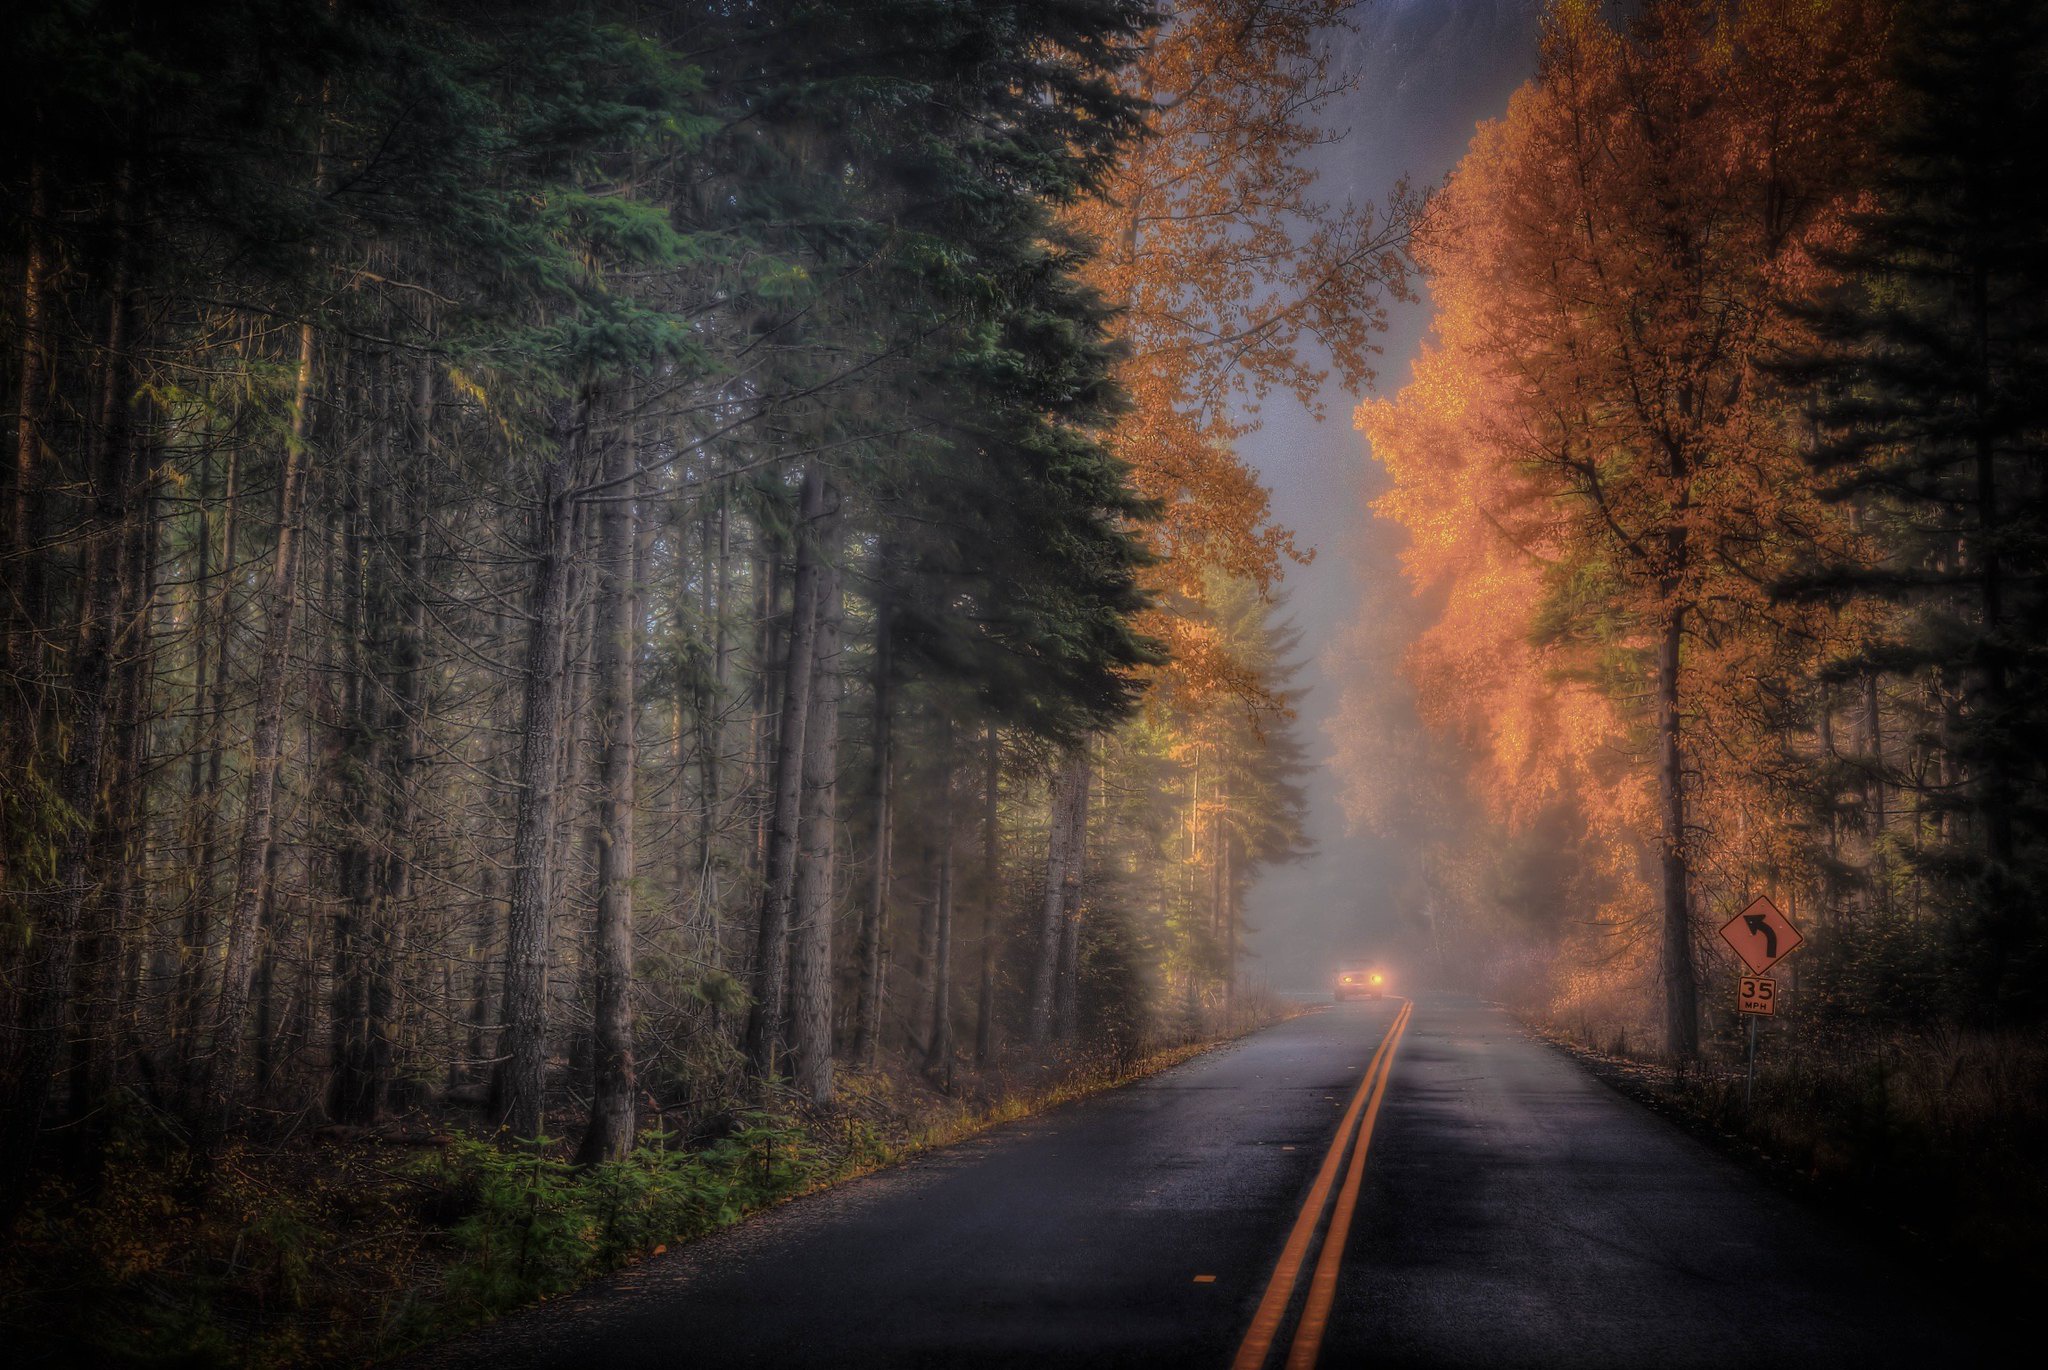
x,y
536,1226
33,821
1119,985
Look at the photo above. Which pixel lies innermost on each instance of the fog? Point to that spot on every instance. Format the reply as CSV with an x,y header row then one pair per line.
x,y
1427,71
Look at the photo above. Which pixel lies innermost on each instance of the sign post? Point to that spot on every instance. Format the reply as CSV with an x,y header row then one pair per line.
x,y
1749,1072
1762,937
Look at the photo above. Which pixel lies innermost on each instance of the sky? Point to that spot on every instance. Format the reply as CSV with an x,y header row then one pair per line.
x,y
1427,71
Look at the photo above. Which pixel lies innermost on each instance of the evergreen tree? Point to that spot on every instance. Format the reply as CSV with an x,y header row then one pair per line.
x,y
1931,424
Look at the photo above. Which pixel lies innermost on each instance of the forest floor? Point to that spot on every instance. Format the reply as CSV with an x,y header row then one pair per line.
x,y
1933,1142
343,1247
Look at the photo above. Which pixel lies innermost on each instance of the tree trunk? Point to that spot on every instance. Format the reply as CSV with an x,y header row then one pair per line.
x,y
210,628
1059,842
46,1003
386,565
122,842
1681,993
709,695
266,745
1226,858
610,1133
874,923
188,1002
711,895
763,714
938,1055
991,901
519,1084
20,642
927,946
1067,994
263,987
771,945
217,1082
403,727
1998,792
811,902
354,1094
576,743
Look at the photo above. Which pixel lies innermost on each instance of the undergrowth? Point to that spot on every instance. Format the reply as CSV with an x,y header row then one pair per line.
x,y
331,1250
1938,1135
533,1226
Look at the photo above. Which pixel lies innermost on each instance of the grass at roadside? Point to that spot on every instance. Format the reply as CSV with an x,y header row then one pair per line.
x,y
332,1250
1935,1140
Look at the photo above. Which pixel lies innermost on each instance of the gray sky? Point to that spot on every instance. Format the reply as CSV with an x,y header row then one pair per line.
x,y
1429,70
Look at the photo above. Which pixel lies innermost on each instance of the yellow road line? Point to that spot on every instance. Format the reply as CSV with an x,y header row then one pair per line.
x,y
1251,1355
1322,1288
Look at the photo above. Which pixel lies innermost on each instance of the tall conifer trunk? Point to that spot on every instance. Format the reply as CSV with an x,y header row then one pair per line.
x,y
519,1084
46,1003
266,747
810,1017
1067,993
354,1093
938,1056
1064,822
609,1135
771,943
874,924
23,602
991,899
1998,789
188,1003
403,725
100,984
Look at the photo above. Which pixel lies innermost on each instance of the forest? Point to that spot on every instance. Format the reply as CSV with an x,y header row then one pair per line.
x,y
1721,488
615,610
613,583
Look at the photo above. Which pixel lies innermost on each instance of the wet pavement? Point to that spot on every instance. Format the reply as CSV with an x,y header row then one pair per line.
x,y
1514,1211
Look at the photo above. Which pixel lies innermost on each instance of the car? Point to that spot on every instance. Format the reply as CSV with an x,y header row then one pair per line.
x,y
1363,983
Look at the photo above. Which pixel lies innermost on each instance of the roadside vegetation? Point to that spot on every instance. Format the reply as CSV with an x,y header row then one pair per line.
x,y
1930,1140
333,1248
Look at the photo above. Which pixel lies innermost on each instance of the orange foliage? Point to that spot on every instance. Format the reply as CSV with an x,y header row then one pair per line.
x,y
1591,450
1223,262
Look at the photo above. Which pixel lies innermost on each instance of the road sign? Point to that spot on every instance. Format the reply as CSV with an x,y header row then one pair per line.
x,y
1760,935
1755,994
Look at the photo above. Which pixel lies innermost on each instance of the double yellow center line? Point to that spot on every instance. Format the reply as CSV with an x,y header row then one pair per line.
x,y
1358,1121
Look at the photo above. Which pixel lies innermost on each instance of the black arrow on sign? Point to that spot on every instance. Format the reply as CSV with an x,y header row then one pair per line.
x,y
1759,923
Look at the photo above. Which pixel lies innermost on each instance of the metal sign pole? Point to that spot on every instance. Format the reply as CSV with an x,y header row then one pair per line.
x,y
1749,1081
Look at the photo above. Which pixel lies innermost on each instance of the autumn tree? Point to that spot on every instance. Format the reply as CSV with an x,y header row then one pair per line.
x,y
1231,274
1590,458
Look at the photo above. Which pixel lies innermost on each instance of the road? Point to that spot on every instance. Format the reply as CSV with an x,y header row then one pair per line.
x,y
1507,1210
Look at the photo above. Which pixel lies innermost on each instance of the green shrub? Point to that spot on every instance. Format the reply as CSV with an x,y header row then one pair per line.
x,y
534,1226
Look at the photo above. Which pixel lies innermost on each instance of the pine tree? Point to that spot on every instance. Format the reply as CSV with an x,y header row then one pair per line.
x,y
1925,377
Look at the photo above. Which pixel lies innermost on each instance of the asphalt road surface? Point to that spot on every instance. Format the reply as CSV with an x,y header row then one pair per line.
x,y
1506,1209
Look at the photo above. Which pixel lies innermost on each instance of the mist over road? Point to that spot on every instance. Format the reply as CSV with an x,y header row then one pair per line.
x,y
1513,1211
